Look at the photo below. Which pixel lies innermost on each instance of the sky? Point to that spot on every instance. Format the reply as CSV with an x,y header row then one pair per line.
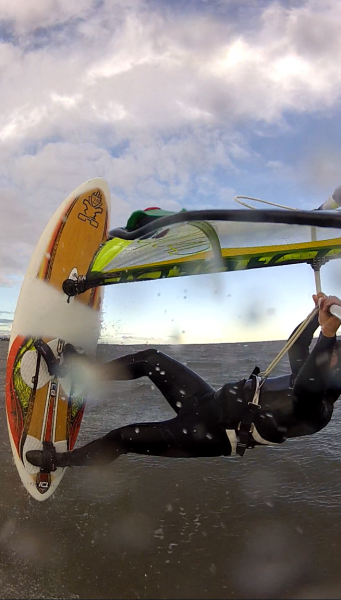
x,y
176,104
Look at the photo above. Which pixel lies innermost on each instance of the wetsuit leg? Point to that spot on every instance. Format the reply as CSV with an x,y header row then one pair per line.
x,y
178,384
195,431
181,437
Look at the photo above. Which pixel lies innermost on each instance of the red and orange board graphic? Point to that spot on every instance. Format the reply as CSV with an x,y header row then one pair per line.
x,y
40,407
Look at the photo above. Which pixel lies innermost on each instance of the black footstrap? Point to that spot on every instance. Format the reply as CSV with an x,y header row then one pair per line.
x,y
45,351
49,457
53,365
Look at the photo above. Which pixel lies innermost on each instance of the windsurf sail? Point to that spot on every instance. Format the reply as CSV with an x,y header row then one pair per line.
x,y
157,246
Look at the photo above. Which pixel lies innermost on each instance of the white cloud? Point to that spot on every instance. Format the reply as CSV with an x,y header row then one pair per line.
x,y
30,15
165,73
150,98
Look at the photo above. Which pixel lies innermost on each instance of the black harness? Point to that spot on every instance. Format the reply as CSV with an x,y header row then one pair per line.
x,y
251,389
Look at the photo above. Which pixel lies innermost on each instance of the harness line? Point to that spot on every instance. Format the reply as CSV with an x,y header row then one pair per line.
x,y
289,344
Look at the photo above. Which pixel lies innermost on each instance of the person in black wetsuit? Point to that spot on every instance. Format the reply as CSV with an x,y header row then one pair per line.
x,y
211,423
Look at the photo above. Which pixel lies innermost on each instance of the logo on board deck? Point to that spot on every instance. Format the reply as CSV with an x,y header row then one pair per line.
x,y
92,208
43,482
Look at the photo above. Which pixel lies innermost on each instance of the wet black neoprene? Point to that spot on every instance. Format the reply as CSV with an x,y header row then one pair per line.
x,y
290,406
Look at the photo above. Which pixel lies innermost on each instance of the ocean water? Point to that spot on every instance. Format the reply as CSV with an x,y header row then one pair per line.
x,y
264,526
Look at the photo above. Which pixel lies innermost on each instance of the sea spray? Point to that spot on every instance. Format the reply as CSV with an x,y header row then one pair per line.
x,y
43,311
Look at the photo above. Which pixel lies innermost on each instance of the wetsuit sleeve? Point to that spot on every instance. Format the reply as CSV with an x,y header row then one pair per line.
x,y
299,352
312,379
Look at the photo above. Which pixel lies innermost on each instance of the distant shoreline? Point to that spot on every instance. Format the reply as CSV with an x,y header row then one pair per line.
x,y
154,343
159,344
